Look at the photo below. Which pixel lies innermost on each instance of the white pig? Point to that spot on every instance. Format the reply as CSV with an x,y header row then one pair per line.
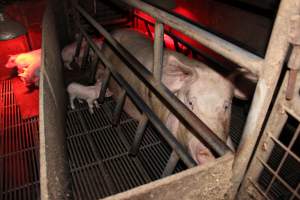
x,y
88,93
207,93
28,65
68,52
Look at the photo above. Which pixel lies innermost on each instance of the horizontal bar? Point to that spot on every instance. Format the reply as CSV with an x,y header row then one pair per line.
x,y
230,51
187,117
136,99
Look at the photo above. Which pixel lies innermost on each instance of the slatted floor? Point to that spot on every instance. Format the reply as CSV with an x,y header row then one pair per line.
x,y
98,158
19,149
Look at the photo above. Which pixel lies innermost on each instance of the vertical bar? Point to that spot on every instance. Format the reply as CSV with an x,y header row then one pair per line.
x,y
158,50
139,135
104,86
269,75
78,48
148,29
85,57
171,164
118,109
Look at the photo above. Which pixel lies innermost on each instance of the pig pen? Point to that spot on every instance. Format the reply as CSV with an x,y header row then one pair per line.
x,y
85,157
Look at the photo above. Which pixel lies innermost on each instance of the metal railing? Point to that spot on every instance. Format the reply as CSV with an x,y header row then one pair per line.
x,y
267,69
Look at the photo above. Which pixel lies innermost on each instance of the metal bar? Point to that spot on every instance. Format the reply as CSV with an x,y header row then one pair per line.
x,y
148,29
85,57
160,127
119,108
230,51
171,164
294,65
275,56
194,50
187,117
158,50
78,47
104,87
139,135
282,181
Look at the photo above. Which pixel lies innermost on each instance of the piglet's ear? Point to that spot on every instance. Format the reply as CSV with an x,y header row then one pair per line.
x,y
175,73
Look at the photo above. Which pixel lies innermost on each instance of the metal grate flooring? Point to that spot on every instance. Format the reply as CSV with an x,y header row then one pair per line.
x,y
99,163
19,149
98,159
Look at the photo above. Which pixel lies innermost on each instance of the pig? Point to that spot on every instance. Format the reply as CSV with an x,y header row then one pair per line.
x,y
68,52
88,93
28,65
203,90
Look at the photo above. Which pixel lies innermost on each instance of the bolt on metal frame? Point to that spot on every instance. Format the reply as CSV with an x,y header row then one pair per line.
x,y
267,69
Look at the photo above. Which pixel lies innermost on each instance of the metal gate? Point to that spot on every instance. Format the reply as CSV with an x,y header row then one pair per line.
x,y
275,169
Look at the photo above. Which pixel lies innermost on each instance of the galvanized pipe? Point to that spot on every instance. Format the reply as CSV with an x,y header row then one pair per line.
x,y
275,56
139,133
158,50
171,164
136,99
230,51
187,117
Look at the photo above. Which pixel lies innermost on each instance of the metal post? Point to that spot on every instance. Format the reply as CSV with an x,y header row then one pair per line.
x,y
158,50
171,164
85,57
104,86
139,135
119,108
275,56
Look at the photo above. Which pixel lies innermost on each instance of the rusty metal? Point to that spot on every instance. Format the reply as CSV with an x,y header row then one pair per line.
x,y
187,117
158,50
161,128
230,51
273,146
139,133
269,75
294,66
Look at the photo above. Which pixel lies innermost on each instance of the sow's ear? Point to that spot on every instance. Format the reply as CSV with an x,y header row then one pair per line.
x,y
244,84
175,73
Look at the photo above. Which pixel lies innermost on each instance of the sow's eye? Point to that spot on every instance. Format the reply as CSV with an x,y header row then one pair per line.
x,y
191,102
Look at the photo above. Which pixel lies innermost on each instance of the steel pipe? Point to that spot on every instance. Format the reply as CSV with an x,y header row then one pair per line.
x,y
137,100
104,86
158,50
187,117
230,51
139,135
119,108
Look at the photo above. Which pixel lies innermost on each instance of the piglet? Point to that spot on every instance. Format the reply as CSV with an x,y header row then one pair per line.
x,y
88,93
28,65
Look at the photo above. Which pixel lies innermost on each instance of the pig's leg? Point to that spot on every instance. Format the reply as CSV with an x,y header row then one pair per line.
x,y
72,101
80,100
90,103
96,104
